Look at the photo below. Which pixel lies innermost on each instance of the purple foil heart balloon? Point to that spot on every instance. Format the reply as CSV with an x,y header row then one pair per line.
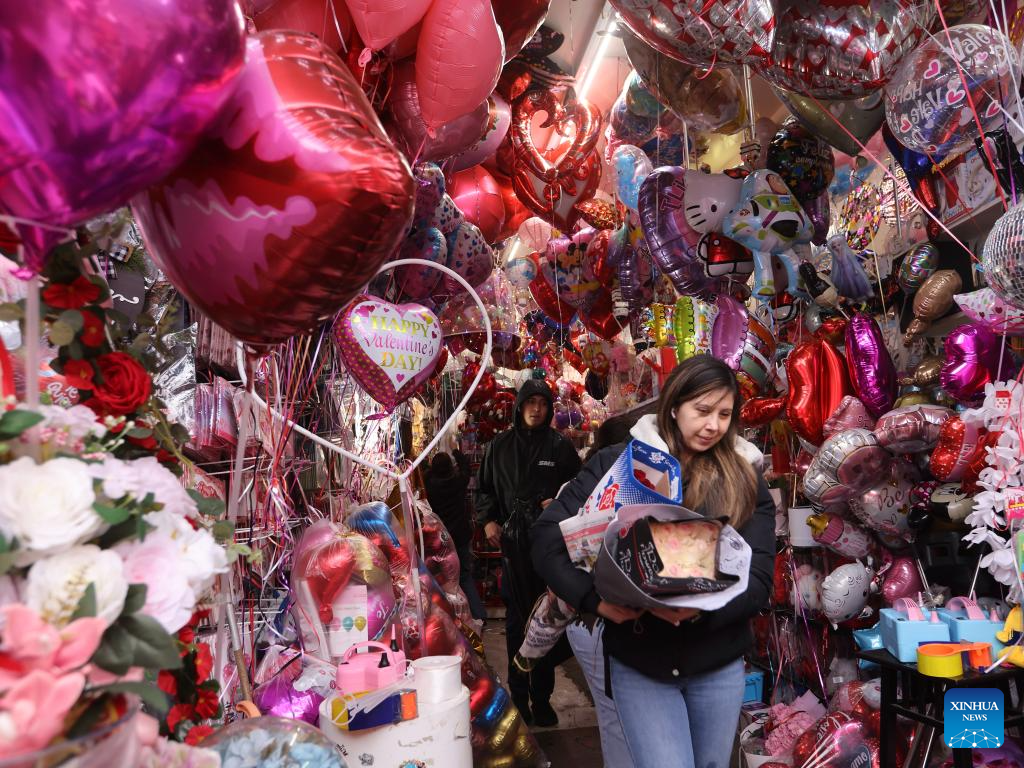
x,y
103,99
670,238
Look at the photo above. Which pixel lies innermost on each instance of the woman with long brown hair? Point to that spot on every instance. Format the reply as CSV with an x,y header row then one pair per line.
x,y
677,676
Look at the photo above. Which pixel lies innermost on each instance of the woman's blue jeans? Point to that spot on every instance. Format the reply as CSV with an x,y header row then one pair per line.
x,y
688,723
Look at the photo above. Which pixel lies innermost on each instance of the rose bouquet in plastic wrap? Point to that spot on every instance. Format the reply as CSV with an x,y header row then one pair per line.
x,y
640,475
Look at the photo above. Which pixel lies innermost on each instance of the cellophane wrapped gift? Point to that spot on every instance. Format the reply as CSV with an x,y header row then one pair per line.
x,y
641,475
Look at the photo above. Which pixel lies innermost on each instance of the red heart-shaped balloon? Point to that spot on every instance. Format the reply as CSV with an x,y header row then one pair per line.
x,y
552,188
290,205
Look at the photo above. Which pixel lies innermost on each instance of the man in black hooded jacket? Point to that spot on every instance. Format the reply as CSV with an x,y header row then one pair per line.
x,y
522,470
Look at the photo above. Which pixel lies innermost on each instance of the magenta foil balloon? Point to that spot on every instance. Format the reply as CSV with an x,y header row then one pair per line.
x,y
671,239
278,698
871,368
972,361
102,99
730,331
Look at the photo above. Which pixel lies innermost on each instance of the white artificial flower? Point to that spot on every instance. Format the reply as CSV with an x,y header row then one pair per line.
x,y
78,421
156,563
47,507
139,477
202,557
56,585
1001,564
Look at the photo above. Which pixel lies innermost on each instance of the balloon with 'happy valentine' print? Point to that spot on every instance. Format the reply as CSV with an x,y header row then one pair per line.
x,y
389,349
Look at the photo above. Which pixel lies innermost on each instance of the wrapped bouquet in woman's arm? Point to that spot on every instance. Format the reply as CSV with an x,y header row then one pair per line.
x,y
640,474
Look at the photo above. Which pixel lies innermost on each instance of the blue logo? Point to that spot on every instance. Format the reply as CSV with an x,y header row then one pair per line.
x,y
973,718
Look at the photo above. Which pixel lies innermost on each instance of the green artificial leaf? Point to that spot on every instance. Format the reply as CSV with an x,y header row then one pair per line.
x,y
10,312
61,334
153,647
76,351
72,318
223,530
142,529
87,605
135,599
57,365
211,507
129,529
112,515
139,433
115,652
13,423
156,701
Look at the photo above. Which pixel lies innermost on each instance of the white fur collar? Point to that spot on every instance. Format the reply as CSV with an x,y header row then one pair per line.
x,y
646,431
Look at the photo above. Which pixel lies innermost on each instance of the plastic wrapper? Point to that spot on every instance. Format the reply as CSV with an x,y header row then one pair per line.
x,y
641,474
175,384
614,582
274,742
343,590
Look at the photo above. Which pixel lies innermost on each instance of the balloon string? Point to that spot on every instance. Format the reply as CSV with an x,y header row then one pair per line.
x,y
904,187
970,103
711,34
329,5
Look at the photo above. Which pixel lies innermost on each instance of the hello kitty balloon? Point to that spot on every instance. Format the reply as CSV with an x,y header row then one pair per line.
x,y
845,591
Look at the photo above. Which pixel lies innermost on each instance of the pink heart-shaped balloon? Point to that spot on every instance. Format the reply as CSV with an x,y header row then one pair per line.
x,y
470,256
390,349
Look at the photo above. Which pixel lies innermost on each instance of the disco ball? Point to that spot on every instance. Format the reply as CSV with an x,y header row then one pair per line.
x,y
1003,257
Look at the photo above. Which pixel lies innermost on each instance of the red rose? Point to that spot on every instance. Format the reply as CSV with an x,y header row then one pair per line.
x,y
71,295
197,733
79,373
187,635
126,385
92,334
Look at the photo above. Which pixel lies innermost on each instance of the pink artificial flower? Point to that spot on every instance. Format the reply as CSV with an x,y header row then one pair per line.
x,y
32,711
30,644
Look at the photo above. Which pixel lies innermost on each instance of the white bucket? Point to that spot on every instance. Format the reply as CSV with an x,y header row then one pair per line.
x,y
438,738
800,533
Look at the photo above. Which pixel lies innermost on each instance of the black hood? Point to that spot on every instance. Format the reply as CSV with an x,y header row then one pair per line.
x,y
528,390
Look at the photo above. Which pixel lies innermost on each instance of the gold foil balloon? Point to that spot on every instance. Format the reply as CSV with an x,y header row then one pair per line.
x,y
932,301
926,373
692,323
